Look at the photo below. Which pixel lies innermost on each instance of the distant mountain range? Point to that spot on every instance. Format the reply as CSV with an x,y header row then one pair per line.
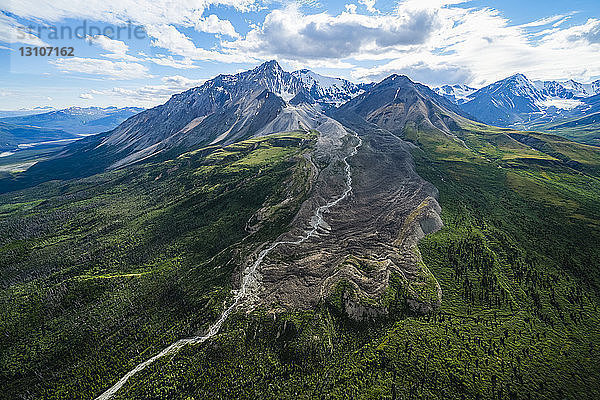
x,y
76,120
25,111
521,103
15,137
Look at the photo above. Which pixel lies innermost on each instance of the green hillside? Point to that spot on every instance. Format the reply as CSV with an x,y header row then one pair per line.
x,y
102,273
517,262
584,129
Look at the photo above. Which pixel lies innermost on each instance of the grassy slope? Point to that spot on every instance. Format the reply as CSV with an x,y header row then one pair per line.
x,y
583,129
517,261
518,264
99,274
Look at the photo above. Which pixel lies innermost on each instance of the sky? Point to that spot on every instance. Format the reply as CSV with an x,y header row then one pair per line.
x,y
140,52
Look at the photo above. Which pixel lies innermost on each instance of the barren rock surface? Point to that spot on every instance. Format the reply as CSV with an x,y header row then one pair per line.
x,y
366,238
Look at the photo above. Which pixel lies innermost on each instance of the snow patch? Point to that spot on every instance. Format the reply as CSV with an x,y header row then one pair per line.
x,y
563,104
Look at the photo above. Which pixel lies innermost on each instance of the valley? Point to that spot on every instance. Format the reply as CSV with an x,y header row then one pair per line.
x,y
260,236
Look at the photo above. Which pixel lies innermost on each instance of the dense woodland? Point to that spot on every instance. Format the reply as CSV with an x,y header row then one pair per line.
x,y
100,274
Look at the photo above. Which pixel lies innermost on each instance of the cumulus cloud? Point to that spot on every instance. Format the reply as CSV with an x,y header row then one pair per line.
x,y
181,82
212,24
430,72
547,21
86,96
151,95
369,4
429,40
588,32
143,12
351,8
111,45
479,46
290,34
170,61
160,18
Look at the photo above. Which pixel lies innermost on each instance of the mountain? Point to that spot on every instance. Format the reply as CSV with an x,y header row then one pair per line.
x,y
329,91
568,89
458,94
24,111
397,103
391,247
223,110
506,102
77,120
13,137
519,102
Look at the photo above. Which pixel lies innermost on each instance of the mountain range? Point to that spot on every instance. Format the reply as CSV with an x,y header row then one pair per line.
x,y
14,137
223,110
274,234
521,103
25,111
76,120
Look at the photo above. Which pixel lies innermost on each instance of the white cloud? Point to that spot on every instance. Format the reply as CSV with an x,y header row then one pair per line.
x,y
212,24
429,40
108,44
117,49
169,61
13,32
158,17
107,68
152,95
143,12
170,38
479,46
290,34
86,96
369,4
547,20
181,82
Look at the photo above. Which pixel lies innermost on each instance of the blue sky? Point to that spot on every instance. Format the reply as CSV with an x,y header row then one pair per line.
x,y
181,44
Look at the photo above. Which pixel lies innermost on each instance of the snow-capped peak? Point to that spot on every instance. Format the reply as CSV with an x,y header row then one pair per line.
x,y
458,94
568,89
326,90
